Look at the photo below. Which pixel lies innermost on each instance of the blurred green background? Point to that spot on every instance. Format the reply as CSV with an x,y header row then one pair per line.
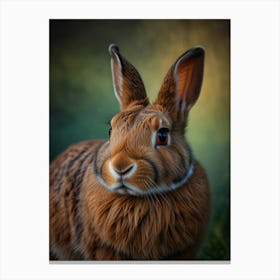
x,y
82,99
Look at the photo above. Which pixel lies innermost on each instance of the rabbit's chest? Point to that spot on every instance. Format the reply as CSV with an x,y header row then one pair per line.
x,y
139,228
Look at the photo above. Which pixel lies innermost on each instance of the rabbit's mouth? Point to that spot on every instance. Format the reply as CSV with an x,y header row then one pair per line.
x,y
126,189
123,189
120,187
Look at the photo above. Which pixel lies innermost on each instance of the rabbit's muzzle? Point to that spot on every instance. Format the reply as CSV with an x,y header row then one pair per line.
x,y
124,175
122,167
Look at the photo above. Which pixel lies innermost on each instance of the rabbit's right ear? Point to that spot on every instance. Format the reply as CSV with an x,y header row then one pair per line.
x,y
182,84
128,85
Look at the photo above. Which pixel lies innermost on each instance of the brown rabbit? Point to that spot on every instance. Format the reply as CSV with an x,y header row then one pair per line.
x,y
140,195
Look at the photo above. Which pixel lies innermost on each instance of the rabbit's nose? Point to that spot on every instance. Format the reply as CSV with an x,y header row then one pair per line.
x,y
121,166
124,172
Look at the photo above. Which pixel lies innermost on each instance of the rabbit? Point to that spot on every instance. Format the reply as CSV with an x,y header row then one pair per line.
x,y
141,194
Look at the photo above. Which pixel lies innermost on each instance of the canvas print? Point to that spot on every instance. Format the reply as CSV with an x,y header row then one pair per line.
x,y
139,140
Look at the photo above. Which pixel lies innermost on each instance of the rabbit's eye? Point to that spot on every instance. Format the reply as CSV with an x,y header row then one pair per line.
x,y
110,128
162,136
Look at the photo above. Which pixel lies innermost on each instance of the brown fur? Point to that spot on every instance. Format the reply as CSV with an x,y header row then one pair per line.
x,y
88,221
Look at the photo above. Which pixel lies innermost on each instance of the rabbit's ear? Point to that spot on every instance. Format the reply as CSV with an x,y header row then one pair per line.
x,y
182,84
128,85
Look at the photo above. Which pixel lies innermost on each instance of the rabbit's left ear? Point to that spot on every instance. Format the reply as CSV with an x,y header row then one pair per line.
x,y
182,84
128,85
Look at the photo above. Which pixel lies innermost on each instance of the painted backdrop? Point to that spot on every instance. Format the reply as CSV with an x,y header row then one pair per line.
x,y
82,99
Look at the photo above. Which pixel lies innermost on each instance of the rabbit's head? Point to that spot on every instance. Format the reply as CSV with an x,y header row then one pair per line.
x,y
147,152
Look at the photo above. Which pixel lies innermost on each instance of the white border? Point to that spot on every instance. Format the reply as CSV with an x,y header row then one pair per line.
x,y
254,129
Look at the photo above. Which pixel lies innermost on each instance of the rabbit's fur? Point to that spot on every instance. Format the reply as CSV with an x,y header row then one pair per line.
x,y
139,195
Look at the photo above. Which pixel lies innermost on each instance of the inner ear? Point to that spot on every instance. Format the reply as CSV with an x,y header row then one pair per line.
x,y
116,67
188,76
181,86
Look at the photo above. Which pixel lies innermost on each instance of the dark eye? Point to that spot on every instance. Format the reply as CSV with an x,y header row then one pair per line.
x,y
162,136
110,130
